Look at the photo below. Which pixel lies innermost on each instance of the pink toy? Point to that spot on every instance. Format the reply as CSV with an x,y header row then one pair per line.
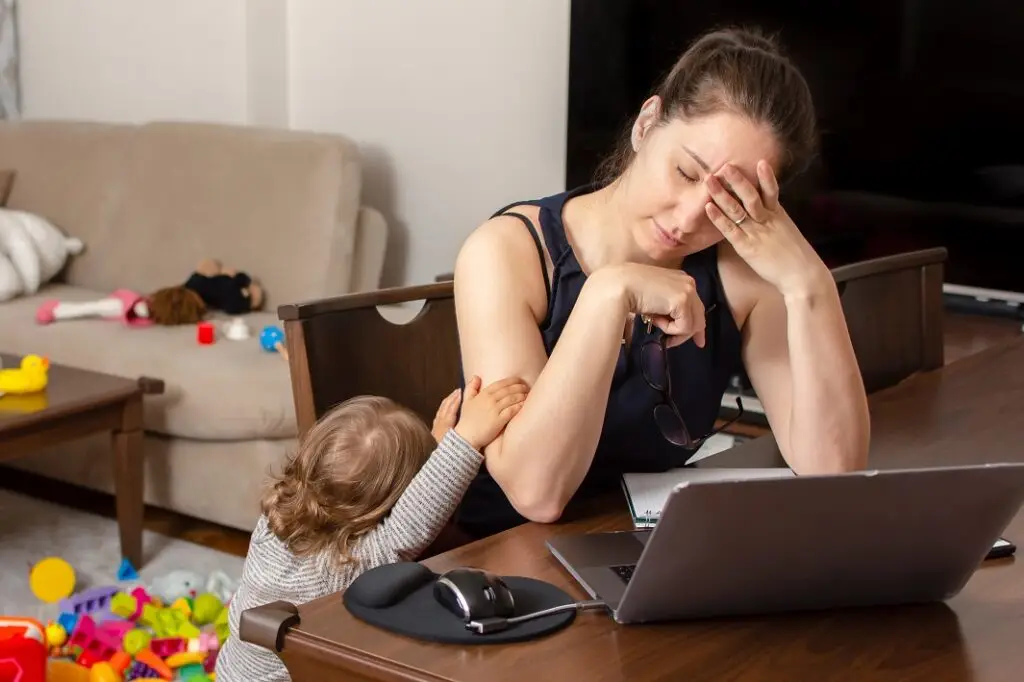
x,y
96,645
116,628
127,306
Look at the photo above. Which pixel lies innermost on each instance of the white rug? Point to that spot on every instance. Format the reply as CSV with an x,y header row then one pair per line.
x,y
32,529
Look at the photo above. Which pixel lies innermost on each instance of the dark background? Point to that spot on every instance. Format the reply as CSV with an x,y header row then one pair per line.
x,y
920,105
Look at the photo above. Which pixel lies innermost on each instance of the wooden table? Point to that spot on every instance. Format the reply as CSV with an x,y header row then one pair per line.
x,y
970,411
78,403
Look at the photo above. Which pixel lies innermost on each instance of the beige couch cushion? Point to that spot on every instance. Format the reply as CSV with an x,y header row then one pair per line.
x,y
231,390
150,201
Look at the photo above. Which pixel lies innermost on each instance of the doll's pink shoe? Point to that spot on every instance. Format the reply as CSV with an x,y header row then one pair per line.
x,y
45,312
129,312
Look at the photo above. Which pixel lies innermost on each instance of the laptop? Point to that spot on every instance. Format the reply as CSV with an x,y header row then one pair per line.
x,y
797,543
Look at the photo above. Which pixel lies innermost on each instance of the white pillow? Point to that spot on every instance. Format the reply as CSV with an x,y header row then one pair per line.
x,y
34,248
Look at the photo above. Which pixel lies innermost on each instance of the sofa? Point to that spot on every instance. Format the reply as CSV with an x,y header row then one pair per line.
x,y
150,201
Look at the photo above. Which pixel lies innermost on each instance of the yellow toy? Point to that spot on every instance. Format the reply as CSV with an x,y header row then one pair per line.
x,y
30,377
56,635
52,579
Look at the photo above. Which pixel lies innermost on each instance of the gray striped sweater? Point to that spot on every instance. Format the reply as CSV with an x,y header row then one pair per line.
x,y
271,572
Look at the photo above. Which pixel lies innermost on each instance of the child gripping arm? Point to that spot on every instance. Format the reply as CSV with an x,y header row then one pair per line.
x,y
433,494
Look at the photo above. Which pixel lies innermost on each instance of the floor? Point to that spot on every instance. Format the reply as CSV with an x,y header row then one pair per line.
x,y
964,335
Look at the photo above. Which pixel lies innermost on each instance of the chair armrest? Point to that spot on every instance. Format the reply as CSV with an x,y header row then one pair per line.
x,y
337,304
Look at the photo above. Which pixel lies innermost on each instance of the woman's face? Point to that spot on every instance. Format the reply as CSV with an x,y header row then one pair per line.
x,y
664,189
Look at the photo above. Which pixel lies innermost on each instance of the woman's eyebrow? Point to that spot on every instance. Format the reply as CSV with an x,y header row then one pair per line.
x,y
700,161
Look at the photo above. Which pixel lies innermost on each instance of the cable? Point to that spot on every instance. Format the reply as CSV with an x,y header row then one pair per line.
x,y
485,626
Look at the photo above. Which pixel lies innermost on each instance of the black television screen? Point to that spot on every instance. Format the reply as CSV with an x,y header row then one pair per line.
x,y
920,108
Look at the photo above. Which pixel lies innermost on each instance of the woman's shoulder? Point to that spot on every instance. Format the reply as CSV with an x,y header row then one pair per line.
x,y
504,259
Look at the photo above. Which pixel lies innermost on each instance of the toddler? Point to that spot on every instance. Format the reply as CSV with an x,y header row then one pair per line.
x,y
370,484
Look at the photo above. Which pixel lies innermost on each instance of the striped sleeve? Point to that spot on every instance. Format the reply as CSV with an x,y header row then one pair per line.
x,y
425,506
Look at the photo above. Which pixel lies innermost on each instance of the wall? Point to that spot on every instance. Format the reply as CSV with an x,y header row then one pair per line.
x,y
126,60
459,105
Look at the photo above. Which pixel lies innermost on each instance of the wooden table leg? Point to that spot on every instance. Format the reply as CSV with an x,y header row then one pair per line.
x,y
128,480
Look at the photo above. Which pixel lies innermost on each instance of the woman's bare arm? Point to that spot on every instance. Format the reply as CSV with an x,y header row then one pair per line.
x,y
545,451
802,366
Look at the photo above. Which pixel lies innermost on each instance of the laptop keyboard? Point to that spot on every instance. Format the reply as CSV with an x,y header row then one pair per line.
x,y
624,572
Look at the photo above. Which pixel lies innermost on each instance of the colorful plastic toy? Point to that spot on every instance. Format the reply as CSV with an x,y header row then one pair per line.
x,y
30,377
205,333
52,579
126,571
172,629
56,635
22,650
272,339
95,601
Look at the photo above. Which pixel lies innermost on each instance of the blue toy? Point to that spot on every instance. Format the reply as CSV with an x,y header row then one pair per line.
x,y
272,339
126,571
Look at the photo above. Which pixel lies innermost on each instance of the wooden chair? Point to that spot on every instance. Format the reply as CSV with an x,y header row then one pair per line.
x,y
343,346
894,310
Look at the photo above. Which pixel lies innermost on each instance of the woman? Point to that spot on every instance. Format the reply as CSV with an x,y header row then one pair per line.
x,y
682,258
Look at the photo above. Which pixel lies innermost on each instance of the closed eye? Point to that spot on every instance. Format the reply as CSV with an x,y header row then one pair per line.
x,y
685,176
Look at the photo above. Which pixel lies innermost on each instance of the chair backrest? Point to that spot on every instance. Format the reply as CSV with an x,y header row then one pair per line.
x,y
894,310
343,346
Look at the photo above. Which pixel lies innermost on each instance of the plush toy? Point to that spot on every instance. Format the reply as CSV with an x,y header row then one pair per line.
x,y
211,287
32,252
124,305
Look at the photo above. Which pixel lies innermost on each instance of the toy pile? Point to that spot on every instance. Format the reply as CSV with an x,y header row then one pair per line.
x,y
171,629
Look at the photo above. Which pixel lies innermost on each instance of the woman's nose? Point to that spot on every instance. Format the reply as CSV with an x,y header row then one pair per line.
x,y
689,216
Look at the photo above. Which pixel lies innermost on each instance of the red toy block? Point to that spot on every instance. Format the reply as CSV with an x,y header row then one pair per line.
x,y
22,650
167,646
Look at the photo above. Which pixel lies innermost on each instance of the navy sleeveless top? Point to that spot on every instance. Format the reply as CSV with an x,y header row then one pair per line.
x,y
630,439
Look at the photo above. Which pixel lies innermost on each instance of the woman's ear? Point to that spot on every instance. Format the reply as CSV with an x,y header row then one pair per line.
x,y
650,112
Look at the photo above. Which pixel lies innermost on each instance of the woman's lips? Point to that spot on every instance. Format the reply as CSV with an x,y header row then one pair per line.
x,y
664,236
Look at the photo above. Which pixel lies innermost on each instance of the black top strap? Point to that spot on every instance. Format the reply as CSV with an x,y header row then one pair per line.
x,y
540,249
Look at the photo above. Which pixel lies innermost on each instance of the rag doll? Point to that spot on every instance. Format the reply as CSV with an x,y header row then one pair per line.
x,y
210,287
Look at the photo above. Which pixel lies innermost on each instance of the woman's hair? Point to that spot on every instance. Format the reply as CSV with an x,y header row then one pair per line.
x,y
741,71
347,474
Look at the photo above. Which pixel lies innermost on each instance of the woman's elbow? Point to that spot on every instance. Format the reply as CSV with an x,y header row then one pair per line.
x,y
529,497
537,509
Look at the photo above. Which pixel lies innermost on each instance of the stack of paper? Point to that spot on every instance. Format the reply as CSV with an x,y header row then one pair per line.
x,y
646,494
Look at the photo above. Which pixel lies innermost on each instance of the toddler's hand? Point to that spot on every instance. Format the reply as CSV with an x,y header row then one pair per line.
x,y
446,413
485,413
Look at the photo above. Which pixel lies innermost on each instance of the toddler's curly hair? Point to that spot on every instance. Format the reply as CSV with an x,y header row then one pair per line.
x,y
347,474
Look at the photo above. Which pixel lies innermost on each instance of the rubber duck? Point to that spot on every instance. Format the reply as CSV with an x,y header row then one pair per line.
x,y
30,377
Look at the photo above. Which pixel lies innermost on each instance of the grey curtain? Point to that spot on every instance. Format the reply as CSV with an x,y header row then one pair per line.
x,y
9,96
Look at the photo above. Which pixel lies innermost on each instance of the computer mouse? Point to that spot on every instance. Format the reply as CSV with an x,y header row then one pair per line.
x,y
473,593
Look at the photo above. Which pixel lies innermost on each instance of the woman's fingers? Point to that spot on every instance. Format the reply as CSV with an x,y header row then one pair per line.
x,y
769,185
726,203
730,230
747,193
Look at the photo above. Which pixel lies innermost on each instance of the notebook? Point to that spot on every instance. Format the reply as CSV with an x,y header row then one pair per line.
x,y
646,493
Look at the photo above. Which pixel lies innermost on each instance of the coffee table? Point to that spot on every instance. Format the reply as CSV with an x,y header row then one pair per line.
x,y
77,403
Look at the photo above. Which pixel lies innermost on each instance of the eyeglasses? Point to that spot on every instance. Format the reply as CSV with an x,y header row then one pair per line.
x,y
654,365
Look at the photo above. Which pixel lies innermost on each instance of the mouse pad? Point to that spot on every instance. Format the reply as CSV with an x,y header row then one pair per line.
x,y
399,598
